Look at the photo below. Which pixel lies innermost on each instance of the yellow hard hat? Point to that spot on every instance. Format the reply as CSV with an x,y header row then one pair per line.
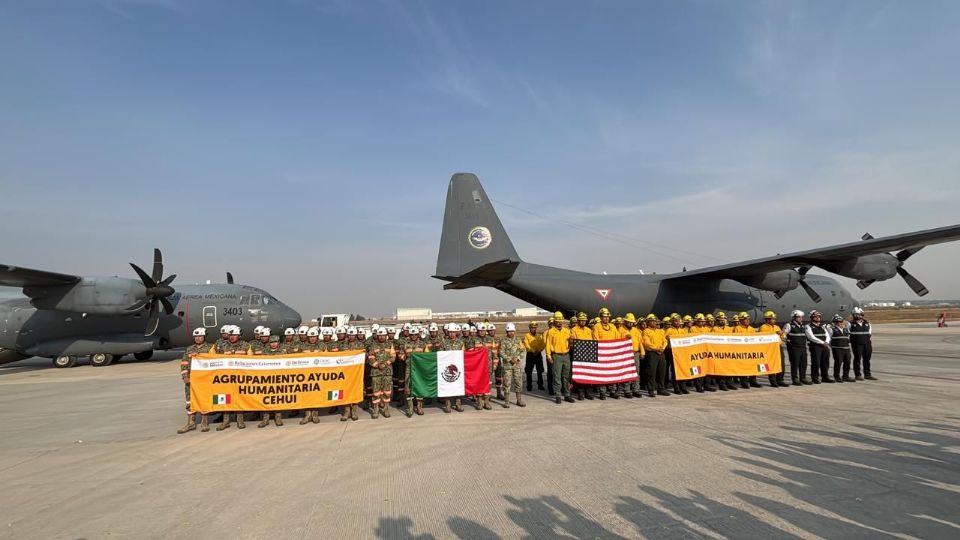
x,y
687,318
674,315
709,316
534,323
721,315
558,316
573,319
629,317
604,312
582,316
769,315
699,317
651,317
666,319
743,315
735,317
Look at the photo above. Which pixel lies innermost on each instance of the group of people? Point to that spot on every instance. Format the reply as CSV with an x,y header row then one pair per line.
x,y
513,359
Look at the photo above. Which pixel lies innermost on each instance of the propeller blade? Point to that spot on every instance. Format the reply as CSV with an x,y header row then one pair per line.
x,y
913,282
229,278
863,284
169,280
167,306
139,305
779,294
148,282
157,265
907,253
866,236
154,321
810,292
803,271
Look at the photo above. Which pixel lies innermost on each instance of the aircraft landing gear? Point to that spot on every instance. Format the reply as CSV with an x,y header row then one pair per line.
x,y
117,357
64,361
145,355
101,359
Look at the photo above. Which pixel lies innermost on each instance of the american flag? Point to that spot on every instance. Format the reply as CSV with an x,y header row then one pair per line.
x,y
608,361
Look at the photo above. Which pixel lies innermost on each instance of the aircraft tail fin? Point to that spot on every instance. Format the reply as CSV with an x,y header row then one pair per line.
x,y
473,244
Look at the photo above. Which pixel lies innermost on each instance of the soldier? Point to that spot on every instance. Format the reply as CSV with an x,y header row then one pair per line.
x,y
745,328
533,345
259,341
676,329
819,342
630,330
312,345
233,347
199,346
454,342
558,354
654,343
302,334
224,336
860,336
490,342
509,349
350,342
290,343
259,347
840,346
606,330
582,331
769,326
380,358
413,345
400,370
796,337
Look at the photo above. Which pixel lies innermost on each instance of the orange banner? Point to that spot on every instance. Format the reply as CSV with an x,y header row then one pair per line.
x,y
275,383
726,355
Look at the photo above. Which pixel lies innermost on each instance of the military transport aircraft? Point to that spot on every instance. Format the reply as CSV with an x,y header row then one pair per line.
x,y
475,251
61,316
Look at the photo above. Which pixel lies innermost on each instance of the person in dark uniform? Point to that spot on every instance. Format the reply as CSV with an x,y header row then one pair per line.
x,y
819,341
796,336
860,334
840,346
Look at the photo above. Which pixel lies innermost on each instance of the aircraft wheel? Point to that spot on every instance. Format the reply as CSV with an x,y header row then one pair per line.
x,y
145,355
100,359
64,361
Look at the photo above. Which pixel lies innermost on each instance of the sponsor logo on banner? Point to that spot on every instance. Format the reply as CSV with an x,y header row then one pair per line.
x,y
480,237
451,373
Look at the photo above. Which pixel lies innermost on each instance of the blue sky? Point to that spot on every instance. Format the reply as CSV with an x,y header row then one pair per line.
x,y
320,135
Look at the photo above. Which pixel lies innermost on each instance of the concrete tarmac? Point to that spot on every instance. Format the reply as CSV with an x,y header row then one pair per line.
x,y
92,453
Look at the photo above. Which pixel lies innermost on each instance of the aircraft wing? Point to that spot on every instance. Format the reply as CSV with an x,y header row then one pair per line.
x,y
15,276
823,256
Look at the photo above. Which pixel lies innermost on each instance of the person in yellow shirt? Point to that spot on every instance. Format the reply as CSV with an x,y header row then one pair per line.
x,y
745,328
654,343
770,326
721,326
582,331
676,329
630,330
711,322
533,345
557,347
605,329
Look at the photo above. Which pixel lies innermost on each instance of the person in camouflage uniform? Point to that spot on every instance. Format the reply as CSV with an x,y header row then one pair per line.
x,y
311,345
290,344
452,342
233,347
349,343
510,350
491,344
259,341
400,364
412,345
380,357
264,345
224,337
199,346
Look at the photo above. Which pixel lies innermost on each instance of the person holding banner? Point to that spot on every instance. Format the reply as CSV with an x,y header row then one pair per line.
x,y
721,327
453,342
796,336
819,341
354,344
630,330
676,329
266,345
580,330
199,346
412,345
605,329
745,328
769,326
233,347
558,354
654,343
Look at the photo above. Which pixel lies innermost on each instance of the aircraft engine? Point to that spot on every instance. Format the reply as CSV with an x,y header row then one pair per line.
x,y
780,281
876,267
94,295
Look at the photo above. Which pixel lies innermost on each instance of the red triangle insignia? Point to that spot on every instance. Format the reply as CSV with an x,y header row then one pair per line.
x,y
604,293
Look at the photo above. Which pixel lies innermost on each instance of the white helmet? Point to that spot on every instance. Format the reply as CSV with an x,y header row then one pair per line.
x,y
257,329
289,332
225,329
454,327
375,327
413,330
264,331
796,313
433,327
313,332
341,330
302,331
406,326
381,331
491,326
858,310
472,329
511,327
327,331
352,332
234,330
199,332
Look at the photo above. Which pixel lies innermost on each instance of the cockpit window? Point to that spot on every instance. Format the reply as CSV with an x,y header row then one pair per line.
x,y
254,299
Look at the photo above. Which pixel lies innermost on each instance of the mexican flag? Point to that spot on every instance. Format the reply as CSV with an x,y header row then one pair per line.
x,y
335,395
449,373
763,368
695,371
221,399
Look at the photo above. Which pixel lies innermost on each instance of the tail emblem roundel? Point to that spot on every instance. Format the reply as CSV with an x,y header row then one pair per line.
x,y
479,237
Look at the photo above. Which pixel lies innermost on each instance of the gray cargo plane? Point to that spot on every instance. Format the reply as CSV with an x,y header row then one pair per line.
x,y
475,251
62,316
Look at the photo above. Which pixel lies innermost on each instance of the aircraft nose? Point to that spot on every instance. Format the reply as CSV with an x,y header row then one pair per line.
x,y
291,319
